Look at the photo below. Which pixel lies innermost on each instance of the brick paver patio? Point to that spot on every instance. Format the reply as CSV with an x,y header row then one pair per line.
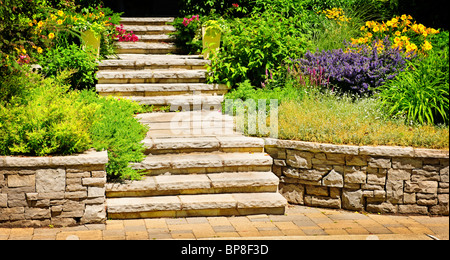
x,y
299,222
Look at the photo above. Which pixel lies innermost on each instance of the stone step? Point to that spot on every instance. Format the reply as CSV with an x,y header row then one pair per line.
x,y
216,183
145,48
149,29
233,204
151,76
146,20
181,102
168,89
202,163
150,62
226,144
159,38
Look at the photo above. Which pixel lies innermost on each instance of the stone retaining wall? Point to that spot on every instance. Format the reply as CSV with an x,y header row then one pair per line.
x,y
373,179
58,191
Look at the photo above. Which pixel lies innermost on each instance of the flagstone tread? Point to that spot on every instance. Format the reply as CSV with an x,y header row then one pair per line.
x,y
233,182
140,62
160,89
213,143
181,101
149,29
147,20
139,74
209,162
194,205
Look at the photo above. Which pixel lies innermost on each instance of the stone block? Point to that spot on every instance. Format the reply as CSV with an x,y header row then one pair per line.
x,y
412,209
352,199
419,175
299,159
379,162
316,190
94,214
98,182
387,151
384,207
3,200
394,191
21,181
356,160
355,177
406,163
324,202
409,198
333,179
398,175
294,193
94,192
50,180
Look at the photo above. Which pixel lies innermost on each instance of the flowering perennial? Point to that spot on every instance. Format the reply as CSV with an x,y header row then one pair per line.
x,y
403,32
358,69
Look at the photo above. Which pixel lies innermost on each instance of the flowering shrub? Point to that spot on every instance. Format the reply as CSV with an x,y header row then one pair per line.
x,y
403,32
188,36
359,68
187,21
123,36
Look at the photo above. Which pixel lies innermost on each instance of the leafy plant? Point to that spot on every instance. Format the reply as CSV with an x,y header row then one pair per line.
x,y
421,94
256,44
115,129
83,61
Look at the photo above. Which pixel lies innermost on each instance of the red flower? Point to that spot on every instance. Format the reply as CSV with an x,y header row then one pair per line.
x,y
235,5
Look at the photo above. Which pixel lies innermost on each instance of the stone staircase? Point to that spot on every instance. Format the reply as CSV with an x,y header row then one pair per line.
x,y
196,164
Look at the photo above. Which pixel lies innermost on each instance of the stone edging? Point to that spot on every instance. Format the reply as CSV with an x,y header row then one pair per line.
x,y
57,191
382,179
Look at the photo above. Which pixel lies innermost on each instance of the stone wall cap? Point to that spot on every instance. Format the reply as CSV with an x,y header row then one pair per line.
x,y
90,157
389,151
393,151
431,153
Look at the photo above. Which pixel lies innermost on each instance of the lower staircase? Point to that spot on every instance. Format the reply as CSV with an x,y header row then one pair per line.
x,y
196,164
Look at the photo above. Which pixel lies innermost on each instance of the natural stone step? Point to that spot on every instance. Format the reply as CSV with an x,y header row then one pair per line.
x,y
233,204
202,163
182,102
227,144
145,61
240,182
167,89
145,48
161,38
149,29
146,20
151,76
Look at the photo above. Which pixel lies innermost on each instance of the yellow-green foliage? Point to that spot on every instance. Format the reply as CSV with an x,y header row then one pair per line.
x,y
48,120
339,120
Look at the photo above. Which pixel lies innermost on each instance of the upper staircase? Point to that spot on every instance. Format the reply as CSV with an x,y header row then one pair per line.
x,y
196,164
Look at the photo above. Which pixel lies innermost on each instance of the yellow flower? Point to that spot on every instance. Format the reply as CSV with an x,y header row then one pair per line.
x,y
398,33
51,36
39,50
40,24
53,17
376,29
60,22
60,13
404,17
427,46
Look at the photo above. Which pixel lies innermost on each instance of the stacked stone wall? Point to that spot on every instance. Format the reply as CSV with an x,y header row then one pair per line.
x,y
362,178
53,191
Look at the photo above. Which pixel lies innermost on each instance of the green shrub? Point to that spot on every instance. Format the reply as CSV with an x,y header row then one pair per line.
x,y
74,57
252,46
421,94
48,120
115,129
188,37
